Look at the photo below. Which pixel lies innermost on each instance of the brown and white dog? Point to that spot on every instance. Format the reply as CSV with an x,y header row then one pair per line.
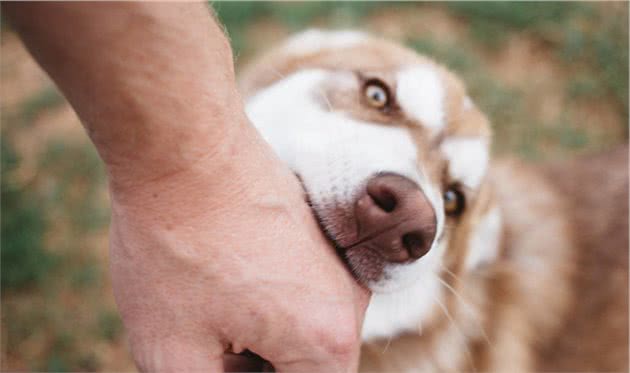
x,y
474,265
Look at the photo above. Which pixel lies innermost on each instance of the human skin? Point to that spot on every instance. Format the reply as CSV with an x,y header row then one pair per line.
x,y
213,248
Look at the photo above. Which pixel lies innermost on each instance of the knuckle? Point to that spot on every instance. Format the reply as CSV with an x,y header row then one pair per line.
x,y
339,339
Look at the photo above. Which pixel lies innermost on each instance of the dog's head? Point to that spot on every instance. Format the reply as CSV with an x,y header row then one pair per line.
x,y
392,154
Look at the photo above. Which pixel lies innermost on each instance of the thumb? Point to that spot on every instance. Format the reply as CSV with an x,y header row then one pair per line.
x,y
338,349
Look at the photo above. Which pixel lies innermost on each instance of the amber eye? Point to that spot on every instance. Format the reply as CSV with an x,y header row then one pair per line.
x,y
454,202
376,94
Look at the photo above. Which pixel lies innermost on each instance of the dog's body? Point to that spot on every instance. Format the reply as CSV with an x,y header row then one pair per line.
x,y
473,266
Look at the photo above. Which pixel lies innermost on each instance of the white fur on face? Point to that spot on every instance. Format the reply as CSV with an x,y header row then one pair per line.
x,y
402,309
335,155
468,159
484,243
420,93
313,41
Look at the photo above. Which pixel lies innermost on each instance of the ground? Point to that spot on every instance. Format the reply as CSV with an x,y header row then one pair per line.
x,y
552,77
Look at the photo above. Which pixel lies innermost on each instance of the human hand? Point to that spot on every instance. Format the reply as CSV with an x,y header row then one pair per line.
x,y
217,258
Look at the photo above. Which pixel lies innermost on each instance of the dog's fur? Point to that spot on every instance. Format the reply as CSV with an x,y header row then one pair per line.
x,y
532,276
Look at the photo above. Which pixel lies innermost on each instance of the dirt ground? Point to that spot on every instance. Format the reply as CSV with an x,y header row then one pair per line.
x,y
552,89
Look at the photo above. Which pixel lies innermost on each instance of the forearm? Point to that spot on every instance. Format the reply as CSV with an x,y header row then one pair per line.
x,y
213,247
153,83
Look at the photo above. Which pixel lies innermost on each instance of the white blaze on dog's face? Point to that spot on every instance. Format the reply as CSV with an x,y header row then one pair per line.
x,y
392,155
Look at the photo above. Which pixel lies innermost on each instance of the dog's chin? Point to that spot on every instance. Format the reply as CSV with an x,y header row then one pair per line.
x,y
366,265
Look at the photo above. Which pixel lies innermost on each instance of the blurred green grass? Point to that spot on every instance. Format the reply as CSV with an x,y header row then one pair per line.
x,y
24,259
589,41
56,304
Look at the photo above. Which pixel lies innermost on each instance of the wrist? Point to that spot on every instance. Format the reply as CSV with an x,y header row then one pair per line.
x,y
187,149
241,170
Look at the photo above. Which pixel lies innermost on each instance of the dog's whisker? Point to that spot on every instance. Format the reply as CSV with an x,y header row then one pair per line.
x,y
470,308
461,299
325,97
389,341
449,272
459,331
277,72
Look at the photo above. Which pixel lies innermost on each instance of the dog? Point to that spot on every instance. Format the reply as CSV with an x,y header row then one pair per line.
x,y
474,264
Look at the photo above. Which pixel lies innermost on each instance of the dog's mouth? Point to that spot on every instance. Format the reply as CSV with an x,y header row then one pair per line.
x,y
365,264
331,237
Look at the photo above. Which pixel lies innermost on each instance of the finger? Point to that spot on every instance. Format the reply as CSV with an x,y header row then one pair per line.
x,y
178,356
312,366
342,358
326,349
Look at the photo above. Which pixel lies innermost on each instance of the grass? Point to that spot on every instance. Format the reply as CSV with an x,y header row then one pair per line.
x,y
490,24
47,256
593,47
83,177
46,99
24,260
589,40
109,325
292,15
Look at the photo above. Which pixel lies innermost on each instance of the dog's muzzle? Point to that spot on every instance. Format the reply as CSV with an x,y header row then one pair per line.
x,y
394,219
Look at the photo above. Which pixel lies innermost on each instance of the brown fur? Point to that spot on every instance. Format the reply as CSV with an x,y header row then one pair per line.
x,y
556,298
594,336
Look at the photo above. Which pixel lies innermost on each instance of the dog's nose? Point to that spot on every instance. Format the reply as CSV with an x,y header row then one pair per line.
x,y
395,218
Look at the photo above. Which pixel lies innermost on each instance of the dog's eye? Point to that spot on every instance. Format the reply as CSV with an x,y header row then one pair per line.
x,y
454,202
376,94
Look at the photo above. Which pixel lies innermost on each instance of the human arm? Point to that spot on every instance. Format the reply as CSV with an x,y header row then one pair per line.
x,y
212,245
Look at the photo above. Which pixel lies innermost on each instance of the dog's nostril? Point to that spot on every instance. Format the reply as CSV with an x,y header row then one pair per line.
x,y
395,218
383,198
415,245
